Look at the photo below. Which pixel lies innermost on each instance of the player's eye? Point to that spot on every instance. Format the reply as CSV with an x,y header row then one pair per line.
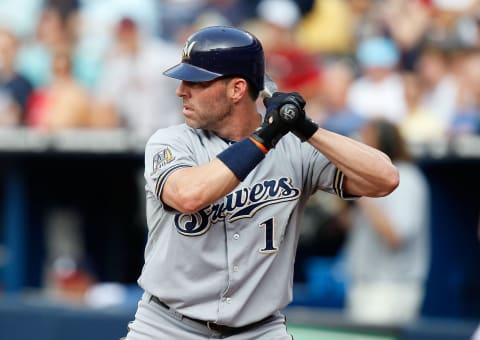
x,y
198,84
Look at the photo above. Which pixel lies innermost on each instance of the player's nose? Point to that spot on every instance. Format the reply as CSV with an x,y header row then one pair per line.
x,y
182,89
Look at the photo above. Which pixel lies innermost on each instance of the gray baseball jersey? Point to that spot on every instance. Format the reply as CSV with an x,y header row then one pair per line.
x,y
231,262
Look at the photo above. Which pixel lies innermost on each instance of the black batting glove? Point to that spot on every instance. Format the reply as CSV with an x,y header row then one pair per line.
x,y
289,107
271,130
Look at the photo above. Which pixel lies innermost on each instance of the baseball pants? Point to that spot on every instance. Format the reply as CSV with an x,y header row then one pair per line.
x,y
155,322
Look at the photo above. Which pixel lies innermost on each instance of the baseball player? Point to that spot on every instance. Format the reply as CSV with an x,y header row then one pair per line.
x,y
225,194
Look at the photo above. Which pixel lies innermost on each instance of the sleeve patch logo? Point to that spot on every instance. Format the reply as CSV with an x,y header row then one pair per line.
x,y
161,159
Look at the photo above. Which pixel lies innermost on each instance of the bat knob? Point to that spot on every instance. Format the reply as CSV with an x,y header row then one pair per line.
x,y
289,113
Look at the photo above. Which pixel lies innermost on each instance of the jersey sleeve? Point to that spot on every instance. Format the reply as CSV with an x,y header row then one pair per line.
x,y
322,174
166,151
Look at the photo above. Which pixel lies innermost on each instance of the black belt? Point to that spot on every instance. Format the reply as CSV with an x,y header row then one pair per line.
x,y
222,329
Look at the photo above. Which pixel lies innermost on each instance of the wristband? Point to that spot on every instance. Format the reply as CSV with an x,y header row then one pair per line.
x,y
242,157
259,145
270,132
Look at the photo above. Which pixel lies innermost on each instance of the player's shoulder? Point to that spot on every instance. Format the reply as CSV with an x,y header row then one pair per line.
x,y
169,133
180,134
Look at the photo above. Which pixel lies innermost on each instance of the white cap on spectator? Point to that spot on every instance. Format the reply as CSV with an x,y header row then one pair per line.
x,y
284,13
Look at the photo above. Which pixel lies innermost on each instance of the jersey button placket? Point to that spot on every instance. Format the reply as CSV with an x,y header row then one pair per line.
x,y
236,236
227,300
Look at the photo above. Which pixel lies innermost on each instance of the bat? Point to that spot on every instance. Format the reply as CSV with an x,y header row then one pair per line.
x,y
269,87
288,112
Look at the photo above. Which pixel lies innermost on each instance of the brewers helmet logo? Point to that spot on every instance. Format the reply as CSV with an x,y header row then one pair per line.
x,y
187,49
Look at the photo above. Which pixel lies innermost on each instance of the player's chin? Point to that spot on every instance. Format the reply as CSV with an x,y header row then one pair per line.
x,y
189,115
192,123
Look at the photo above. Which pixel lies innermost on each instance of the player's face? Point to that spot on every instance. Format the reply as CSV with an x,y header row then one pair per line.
x,y
205,104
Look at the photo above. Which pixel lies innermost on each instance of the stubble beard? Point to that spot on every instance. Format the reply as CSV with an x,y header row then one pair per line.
x,y
214,122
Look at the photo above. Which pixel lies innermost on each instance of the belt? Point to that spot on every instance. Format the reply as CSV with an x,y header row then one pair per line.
x,y
222,329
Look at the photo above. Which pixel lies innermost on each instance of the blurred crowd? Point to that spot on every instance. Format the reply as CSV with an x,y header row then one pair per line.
x,y
402,71
412,62
99,64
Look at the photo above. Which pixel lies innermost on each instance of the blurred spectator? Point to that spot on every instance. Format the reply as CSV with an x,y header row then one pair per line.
x,y
176,16
53,31
232,12
440,87
289,65
328,28
368,19
67,272
96,27
319,276
180,18
387,248
63,103
15,89
420,124
277,20
68,11
19,16
408,22
100,17
132,90
466,117
378,92
334,27
453,25
69,280
337,116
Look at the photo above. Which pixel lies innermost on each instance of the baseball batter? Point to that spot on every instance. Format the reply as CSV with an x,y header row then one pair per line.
x,y
225,195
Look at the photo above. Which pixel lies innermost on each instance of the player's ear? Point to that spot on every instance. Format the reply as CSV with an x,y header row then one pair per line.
x,y
237,88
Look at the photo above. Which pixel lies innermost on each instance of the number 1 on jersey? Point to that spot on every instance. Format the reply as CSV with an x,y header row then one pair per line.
x,y
270,246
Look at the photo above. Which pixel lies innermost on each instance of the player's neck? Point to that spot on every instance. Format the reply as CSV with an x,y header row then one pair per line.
x,y
241,124
246,127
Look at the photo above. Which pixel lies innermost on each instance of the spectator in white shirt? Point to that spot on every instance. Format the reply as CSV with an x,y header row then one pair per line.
x,y
378,92
387,249
132,88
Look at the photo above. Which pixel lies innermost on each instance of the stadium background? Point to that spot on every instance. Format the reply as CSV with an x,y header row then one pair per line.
x,y
78,190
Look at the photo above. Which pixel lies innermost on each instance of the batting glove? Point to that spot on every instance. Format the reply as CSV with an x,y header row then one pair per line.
x,y
271,130
289,108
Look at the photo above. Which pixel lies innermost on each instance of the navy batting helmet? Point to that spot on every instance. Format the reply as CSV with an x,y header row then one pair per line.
x,y
218,51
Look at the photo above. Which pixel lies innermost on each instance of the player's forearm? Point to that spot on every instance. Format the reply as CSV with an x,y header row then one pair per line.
x,y
367,171
190,189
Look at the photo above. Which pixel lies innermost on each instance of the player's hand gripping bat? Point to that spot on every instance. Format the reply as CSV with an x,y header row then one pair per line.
x,y
288,109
